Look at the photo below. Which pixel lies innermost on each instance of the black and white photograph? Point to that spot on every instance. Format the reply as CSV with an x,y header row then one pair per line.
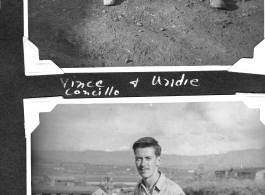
x,y
132,97
111,149
129,33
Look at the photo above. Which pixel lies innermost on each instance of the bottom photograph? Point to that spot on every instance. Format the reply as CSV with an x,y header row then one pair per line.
x,y
181,148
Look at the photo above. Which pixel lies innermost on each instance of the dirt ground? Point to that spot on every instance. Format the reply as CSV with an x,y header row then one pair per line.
x,y
85,33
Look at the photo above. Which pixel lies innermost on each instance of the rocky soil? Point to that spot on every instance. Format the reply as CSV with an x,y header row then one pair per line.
x,y
85,33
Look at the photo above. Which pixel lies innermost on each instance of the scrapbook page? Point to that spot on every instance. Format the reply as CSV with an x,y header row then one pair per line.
x,y
183,76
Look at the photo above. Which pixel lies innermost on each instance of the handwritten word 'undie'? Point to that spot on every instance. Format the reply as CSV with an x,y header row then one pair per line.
x,y
157,80
88,88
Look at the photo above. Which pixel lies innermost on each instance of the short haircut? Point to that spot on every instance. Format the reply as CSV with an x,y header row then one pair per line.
x,y
147,142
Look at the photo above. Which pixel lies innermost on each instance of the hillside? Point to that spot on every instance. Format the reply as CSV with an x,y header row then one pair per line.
x,y
246,158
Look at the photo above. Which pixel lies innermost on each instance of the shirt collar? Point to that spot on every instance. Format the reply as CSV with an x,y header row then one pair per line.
x,y
159,183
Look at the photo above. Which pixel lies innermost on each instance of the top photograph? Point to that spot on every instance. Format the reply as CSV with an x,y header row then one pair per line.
x,y
135,33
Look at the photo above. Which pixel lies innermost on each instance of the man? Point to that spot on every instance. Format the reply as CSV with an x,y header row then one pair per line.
x,y
147,153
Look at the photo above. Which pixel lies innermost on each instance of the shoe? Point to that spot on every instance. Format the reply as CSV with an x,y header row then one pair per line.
x,y
219,4
108,2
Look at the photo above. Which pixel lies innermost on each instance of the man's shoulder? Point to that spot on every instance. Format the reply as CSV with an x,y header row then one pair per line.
x,y
170,182
174,186
137,187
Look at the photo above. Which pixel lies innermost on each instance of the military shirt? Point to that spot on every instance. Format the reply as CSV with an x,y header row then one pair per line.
x,y
163,186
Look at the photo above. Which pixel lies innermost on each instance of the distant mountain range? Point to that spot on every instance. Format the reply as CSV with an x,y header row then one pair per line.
x,y
235,159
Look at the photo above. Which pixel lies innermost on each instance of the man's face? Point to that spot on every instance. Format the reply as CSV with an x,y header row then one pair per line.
x,y
146,161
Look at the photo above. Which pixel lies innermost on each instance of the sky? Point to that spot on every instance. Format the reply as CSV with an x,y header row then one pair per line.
x,y
180,128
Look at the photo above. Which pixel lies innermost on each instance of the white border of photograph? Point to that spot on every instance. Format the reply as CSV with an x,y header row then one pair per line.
x,y
34,106
34,66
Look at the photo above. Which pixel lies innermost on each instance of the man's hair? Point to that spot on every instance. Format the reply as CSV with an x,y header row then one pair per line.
x,y
147,142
